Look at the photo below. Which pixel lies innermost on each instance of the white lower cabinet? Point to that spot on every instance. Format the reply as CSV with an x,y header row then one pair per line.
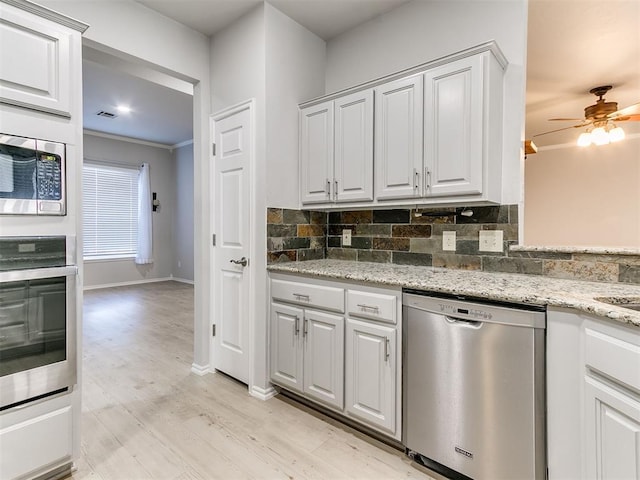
x,y
36,439
351,365
370,373
307,353
593,397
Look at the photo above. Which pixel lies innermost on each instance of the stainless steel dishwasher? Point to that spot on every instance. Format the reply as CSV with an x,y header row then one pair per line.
x,y
473,385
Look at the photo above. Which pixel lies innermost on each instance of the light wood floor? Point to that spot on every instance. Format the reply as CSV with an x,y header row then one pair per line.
x,y
145,416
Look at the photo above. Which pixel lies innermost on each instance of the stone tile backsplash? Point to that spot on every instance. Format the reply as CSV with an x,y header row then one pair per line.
x,y
414,237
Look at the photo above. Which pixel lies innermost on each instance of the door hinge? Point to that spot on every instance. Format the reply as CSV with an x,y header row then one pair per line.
x,y
213,149
213,239
213,330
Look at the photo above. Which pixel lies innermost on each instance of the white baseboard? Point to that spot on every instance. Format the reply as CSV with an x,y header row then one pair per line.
x,y
125,284
262,393
182,280
200,370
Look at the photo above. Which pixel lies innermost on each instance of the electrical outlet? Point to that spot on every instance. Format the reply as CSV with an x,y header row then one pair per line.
x,y
491,241
346,238
449,241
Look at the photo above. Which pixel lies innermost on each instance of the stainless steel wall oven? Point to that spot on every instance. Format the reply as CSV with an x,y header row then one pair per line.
x,y
37,319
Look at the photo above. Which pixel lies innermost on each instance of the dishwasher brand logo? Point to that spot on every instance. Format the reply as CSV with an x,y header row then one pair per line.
x,y
464,452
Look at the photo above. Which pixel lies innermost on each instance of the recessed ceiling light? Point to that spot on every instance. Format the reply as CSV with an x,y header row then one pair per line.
x,y
123,109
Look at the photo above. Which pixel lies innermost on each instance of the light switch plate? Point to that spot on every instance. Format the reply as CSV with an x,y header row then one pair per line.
x,y
449,241
346,238
490,241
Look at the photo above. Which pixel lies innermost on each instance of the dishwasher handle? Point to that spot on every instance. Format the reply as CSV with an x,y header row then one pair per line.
x,y
462,322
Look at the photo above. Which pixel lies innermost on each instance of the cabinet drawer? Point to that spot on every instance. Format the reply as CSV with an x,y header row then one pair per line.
x,y
328,298
375,306
613,356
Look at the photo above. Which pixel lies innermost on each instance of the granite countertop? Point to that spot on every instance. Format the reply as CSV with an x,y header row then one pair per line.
x,y
508,287
585,250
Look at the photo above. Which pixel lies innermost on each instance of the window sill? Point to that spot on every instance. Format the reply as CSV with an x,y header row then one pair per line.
x,y
108,258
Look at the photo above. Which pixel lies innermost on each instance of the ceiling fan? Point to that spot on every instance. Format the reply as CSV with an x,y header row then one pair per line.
x,y
599,119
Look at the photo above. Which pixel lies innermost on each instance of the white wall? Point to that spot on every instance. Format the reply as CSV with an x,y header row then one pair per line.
x,y
295,63
423,30
131,31
584,196
183,218
110,272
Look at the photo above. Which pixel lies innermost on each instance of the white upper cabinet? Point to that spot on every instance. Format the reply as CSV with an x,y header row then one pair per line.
x,y
36,67
453,150
398,138
316,153
336,150
438,137
353,160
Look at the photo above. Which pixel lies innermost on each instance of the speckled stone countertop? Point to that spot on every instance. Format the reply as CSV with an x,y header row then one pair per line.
x,y
589,250
508,287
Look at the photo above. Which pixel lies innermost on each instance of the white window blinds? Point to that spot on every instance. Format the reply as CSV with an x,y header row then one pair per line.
x,y
109,210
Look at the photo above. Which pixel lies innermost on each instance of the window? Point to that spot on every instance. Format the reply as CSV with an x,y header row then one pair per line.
x,y
109,210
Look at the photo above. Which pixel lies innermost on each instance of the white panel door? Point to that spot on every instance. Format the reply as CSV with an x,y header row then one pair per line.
x,y
612,432
316,153
353,147
324,357
370,373
232,227
286,346
398,138
453,146
34,62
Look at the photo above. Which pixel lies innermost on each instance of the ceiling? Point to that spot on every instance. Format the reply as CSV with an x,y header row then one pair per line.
x,y
573,46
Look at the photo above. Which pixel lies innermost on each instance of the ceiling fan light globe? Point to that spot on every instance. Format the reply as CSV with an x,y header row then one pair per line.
x,y
599,136
616,134
584,140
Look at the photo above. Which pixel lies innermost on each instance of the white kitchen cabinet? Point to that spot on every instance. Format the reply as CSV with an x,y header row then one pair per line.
x,y
37,71
286,349
37,439
336,150
371,373
398,138
593,399
316,153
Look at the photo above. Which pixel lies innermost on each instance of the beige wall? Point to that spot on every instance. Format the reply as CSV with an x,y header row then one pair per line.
x,y
583,196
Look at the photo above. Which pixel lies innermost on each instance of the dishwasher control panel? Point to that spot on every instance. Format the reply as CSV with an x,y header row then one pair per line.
x,y
459,312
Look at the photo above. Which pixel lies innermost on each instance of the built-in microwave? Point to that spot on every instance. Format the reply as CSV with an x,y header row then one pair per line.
x,y
32,176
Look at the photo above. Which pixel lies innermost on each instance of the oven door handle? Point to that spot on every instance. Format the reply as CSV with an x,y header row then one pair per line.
x,y
36,273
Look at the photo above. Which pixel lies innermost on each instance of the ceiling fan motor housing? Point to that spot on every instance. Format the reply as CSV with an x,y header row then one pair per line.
x,y
600,110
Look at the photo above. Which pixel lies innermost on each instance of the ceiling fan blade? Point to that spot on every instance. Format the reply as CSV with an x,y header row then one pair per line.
x,y
627,118
561,129
630,111
565,119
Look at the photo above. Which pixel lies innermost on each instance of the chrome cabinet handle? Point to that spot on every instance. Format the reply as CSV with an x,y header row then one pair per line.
x,y
305,327
297,325
328,189
416,181
243,261
375,308
335,193
302,296
386,349
427,176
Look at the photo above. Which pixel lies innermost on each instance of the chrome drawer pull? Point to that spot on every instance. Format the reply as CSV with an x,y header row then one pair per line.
x,y
386,348
375,308
301,296
297,325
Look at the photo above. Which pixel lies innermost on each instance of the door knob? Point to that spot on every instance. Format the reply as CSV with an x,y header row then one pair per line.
x,y
243,261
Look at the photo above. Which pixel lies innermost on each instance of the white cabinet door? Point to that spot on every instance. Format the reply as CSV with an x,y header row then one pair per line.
x,y
398,138
453,142
316,153
370,375
36,69
612,431
324,357
353,149
286,346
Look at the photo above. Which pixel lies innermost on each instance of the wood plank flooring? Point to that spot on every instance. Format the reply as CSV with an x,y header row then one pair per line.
x,y
146,416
